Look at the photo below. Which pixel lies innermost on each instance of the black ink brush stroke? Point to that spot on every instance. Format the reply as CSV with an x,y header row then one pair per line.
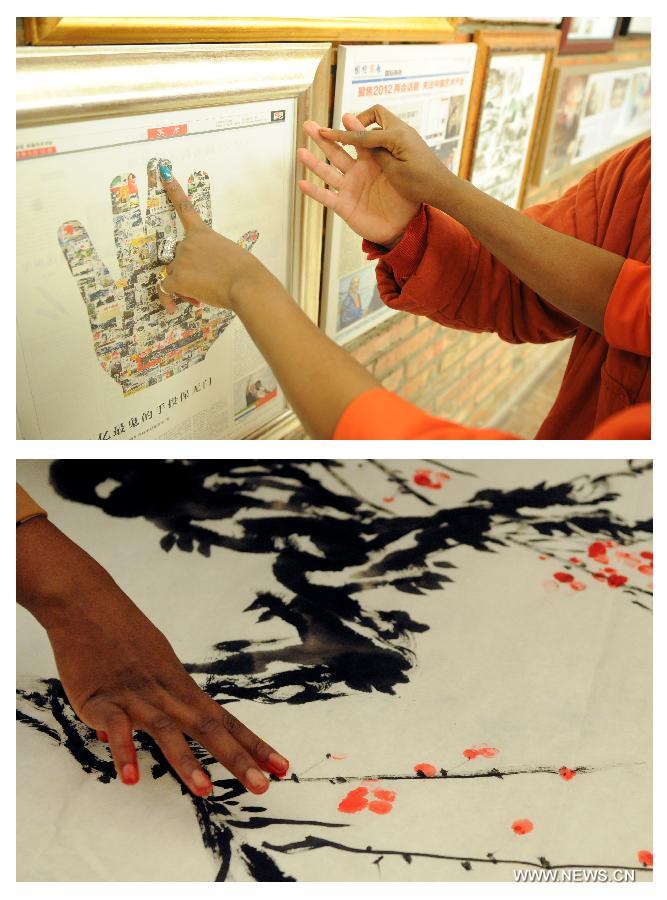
x,y
315,843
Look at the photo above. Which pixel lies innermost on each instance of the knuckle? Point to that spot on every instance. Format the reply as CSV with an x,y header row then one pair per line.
x,y
162,724
260,750
230,723
207,724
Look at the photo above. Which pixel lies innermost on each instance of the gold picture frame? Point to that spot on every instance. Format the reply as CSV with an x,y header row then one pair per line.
x,y
573,72
65,85
70,30
491,44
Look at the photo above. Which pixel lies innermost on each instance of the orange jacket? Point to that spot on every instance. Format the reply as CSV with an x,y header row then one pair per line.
x,y
439,270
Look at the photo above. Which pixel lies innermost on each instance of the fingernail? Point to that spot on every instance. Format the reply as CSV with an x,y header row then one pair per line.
x,y
201,781
165,170
255,780
278,763
103,736
129,774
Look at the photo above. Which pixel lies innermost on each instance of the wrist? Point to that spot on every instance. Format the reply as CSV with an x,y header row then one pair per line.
x,y
255,286
56,581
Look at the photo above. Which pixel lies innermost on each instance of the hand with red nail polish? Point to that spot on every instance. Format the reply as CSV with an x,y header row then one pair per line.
x,y
120,673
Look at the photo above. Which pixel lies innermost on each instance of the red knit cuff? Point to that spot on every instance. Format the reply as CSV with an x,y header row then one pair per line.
x,y
404,258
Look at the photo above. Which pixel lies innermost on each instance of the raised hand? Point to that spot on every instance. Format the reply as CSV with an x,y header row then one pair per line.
x,y
359,191
140,338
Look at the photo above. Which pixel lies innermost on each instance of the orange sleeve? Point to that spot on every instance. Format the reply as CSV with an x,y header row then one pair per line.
x,y
378,414
627,319
441,271
630,424
26,508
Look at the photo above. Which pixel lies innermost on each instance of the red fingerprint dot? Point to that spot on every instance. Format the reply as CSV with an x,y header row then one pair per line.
x,y
563,576
575,559
425,769
388,499
354,801
381,807
646,570
541,556
385,795
647,555
488,751
522,826
645,857
599,576
598,551
578,586
471,753
423,479
616,580
609,569
566,773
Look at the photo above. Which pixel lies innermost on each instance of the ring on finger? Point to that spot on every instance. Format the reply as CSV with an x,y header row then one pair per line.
x,y
161,275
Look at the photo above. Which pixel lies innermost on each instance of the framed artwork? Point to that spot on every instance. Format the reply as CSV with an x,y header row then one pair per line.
x,y
636,26
511,75
455,657
98,356
592,109
68,30
587,34
427,86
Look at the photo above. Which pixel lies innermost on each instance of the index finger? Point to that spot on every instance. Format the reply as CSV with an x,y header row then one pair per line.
x,y
190,218
376,137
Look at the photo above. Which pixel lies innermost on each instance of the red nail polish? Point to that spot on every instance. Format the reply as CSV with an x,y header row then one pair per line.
x,y
103,736
129,774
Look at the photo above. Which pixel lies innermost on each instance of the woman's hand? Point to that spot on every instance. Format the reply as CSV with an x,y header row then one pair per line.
x,y
360,191
119,671
407,164
207,266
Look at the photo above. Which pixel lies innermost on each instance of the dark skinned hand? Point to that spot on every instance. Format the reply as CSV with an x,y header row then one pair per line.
x,y
119,671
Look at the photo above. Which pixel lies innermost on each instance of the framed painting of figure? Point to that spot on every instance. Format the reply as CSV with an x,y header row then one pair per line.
x,y
98,355
592,109
511,76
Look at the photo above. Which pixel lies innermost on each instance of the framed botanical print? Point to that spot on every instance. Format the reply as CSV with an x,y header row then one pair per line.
x,y
592,109
511,75
98,356
587,34
427,86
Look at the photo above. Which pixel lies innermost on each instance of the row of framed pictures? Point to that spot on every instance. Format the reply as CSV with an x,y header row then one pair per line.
x,y
98,357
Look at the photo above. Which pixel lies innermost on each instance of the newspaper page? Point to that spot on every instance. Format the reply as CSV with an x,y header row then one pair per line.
x,y
98,356
506,121
428,86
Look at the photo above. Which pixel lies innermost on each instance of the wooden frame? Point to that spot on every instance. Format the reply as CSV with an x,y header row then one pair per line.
x,y
594,45
63,85
68,30
625,26
493,43
573,66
